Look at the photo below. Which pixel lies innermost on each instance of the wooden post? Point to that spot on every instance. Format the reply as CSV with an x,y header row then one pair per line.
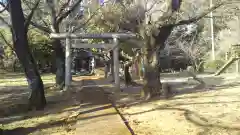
x,y
68,63
116,63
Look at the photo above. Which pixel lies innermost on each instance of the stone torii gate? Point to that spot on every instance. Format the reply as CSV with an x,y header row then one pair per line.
x,y
68,59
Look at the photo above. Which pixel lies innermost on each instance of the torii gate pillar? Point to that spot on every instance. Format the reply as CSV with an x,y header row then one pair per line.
x,y
116,63
68,64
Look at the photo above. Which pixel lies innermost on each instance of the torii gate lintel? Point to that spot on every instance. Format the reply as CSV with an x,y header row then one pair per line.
x,y
69,36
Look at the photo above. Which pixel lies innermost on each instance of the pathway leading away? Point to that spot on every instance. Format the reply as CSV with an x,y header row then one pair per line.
x,y
97,115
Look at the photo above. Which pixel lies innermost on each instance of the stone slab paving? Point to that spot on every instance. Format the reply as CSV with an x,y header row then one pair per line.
x,y
97,116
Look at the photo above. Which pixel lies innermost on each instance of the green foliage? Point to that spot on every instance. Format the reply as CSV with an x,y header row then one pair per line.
x,y
41,48
39,45
6,41
214,64
126,49
111,18
106,20
9,60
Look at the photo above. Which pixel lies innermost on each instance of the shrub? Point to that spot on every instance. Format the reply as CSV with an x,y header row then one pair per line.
x,y
214,64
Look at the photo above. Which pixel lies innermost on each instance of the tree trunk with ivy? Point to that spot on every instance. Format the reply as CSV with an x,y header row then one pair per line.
x,y
20,43
154,42
152,84
59,63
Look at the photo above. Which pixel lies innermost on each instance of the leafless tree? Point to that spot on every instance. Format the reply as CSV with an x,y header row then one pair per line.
x,y
153,22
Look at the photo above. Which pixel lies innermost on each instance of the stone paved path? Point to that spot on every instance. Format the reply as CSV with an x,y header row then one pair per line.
x,y
98,116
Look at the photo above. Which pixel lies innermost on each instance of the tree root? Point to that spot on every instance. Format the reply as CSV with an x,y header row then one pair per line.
x,y
166,90
195,77
149,93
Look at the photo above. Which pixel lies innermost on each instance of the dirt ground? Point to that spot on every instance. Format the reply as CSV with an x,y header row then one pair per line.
x,y
76,111
213,109
16,119
55,119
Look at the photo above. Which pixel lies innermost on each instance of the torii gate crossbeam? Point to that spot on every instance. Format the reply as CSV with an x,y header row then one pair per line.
x,y
68,59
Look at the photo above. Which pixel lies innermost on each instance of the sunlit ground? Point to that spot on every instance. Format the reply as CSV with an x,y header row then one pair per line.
x,y
214,110
13,113
62,111
13,79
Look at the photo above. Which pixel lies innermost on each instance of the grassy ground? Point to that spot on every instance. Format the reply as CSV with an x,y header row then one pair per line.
x,y
77,111
13,107
18,79
210,110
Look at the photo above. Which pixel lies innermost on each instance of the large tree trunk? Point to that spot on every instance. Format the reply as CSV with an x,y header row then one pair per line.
x,y
154,43
19,32
152,85
60,63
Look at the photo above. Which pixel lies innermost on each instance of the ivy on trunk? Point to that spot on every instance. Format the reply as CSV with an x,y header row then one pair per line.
x,y
59,63
154,42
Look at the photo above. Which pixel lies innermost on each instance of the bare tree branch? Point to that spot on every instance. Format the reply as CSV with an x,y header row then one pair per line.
x,y
42,28
45,23
90,18
4,5
35,24
197,18
87,21
29,17
63,7
4,8
188,49
53,13
65,14
152,6
28,3
5,22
